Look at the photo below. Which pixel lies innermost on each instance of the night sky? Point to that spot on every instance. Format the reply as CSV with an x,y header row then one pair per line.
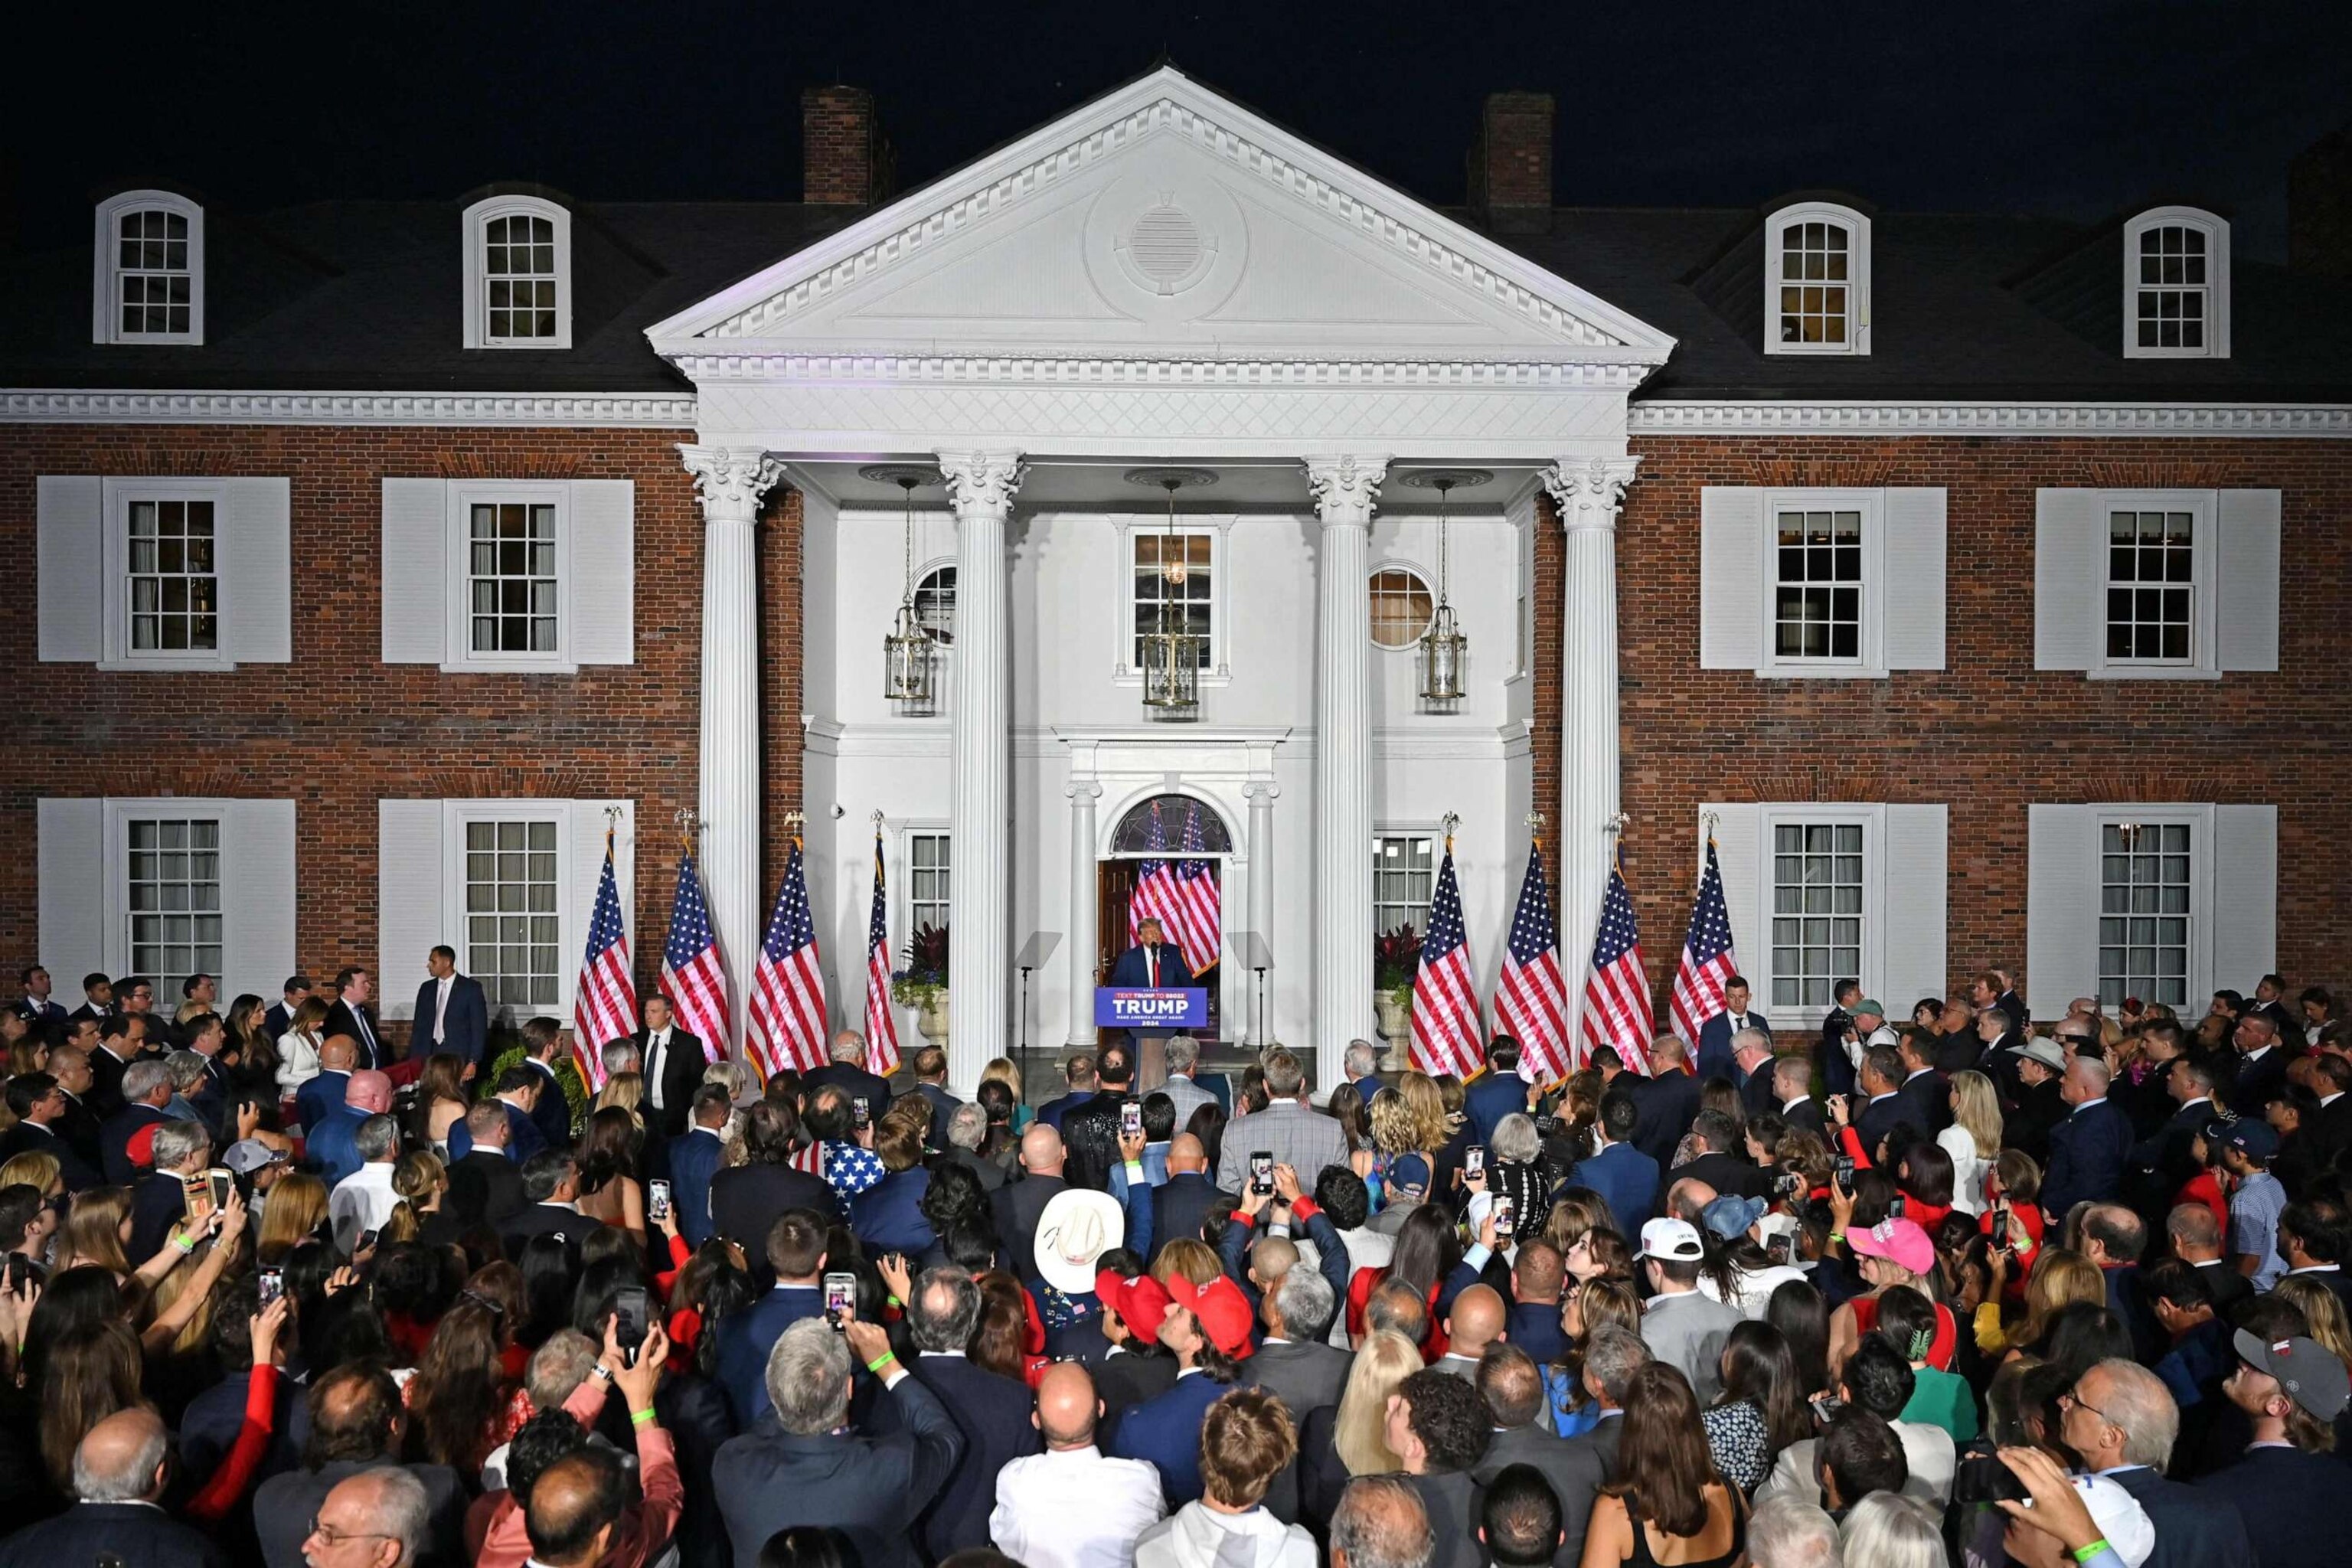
x,y
2075,109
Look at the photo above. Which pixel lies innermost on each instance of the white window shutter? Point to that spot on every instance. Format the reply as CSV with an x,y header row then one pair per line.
x,y
258,893
1912,961
71,837
256,562
1911,585
68,570
587,867
412,904
603,571
2061,903
1739,856
414,570
2246,895
2248,637
1730,587
2069,611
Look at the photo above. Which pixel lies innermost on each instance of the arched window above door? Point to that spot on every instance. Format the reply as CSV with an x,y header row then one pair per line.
x,y
1171,824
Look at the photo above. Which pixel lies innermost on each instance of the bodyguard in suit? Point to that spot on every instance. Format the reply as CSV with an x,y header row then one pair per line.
x,y
1181,1204
1715,1050
1626,1179
2089,1148
280,1017
694,1160
452,1015
485,1185
673,1059
990,1410
1836,1067
47,1019
349,1015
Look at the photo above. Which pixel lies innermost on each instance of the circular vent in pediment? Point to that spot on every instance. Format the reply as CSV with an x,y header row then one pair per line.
x,y
1165,243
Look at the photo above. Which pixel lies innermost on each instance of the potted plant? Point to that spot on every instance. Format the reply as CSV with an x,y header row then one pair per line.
x,y
922,985
1396,958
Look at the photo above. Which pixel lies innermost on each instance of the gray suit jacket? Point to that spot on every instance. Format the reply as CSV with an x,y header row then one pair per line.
x,y
1189,1097
1303,1139
1688,1331
1572,1468
1602,1442
1306,1376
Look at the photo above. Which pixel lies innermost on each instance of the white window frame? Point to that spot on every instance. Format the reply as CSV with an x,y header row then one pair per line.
x,y
1757,968
1435,834
476,262
1870,661
120,813
2203,662
2216,230
2200,822
902,875
1218,531
457,816
940,651
106,274
1857,280
1420,574
114,616
464,496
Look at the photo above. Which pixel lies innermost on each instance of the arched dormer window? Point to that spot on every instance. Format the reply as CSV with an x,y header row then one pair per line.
x,y
147,285
2177,285
1817,280
518,274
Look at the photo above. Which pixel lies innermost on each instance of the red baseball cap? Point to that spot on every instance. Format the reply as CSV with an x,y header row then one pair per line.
x,y
140,1150
1140,1302
1223,1312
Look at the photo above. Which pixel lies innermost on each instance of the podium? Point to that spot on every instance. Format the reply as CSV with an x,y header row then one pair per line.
x,y
1149,1015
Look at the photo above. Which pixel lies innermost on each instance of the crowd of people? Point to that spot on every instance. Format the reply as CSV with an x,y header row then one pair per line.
x,y
1963,1287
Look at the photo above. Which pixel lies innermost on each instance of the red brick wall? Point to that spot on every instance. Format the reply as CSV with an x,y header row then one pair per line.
x,y
337,729
1550,567
838,146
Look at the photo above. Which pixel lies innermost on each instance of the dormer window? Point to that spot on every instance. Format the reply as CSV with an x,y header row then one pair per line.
x,y
2177,285
1817,280
518,274
147,284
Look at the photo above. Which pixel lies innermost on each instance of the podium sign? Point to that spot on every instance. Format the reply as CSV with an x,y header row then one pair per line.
x,y
1168,1007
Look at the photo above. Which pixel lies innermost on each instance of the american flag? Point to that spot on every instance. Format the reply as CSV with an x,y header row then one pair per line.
x,y
1617,994
1446,1034
1707,959
691,975
881,1023
605,1006
1182,897
1531,1000
788,1016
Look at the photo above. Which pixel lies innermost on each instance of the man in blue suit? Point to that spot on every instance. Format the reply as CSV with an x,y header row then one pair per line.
x,y
2088,1149
1181,1203
1499,1091
1207,1336
1715,1035
451,1015
2291,1391
695,1159
542,1040
990,1409
2123,1422
323,1090
515,1089
331,1147
1626,1179
797,1252
1152,962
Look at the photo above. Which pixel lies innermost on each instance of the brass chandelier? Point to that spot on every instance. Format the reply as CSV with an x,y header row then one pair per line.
x,y
1444,650
1171,655
909,653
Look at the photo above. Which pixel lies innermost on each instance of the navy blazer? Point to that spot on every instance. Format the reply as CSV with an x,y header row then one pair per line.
x,y
1166,1430
872,1487
330,1145
321,1093
1716,1056
2282,1497
551,1116
1493,1097
746,1199
1179,1207
2087,1152
693,1162
1876,1119
1837,1071
1131,969
114,1141
992,1412
1534,1327
33,1138
209,1425
360,1025
887,1217
465,1026
94,1531
1626,1179
2193,1529
746,1338
1666,1106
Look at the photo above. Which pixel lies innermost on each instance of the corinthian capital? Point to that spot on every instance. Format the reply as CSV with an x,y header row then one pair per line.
x,y
1346,486
981,482
731,479
1589,490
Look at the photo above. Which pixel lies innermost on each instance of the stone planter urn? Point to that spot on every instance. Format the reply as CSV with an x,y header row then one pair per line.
x,y
1395,1019
932,1018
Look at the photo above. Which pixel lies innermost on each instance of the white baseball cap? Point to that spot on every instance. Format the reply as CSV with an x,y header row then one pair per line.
x,y
1674,1240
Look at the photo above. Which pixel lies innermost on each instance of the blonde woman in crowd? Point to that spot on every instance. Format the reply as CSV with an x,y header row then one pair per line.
x,y
297,1048
1973,1139
297,1204
1004,1071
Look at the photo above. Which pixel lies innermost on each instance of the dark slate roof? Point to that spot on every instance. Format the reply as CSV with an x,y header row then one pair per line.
x,y
367,296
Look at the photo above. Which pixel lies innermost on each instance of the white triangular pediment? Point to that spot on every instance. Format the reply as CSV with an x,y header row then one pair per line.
x,y
1161,220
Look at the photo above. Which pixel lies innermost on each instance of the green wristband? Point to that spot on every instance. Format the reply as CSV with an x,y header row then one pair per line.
x,y
641,1419
2085,1553
878,1363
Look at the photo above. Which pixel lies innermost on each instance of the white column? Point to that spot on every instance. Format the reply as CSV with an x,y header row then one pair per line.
x,y
980,892
1345,489
1086,888
731,480
1587,494
1260,792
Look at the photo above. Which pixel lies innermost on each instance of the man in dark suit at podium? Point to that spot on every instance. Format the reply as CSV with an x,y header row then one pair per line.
x,y
1152,964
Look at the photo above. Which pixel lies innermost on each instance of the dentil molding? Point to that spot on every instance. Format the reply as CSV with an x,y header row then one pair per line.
x,y
636,410
1695,417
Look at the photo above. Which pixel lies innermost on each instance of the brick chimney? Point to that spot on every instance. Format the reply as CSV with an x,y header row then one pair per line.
x,y
845,161
1510,164
2319,207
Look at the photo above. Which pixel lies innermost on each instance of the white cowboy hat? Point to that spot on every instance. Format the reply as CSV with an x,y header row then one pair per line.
x,y
1078,1226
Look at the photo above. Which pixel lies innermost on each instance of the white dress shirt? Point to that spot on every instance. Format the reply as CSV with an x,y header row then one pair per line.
x,y
362,1201
441,1008
656,1047
1073,1508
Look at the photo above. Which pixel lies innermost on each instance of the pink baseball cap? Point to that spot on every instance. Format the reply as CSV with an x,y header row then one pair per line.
x,y
1899,1241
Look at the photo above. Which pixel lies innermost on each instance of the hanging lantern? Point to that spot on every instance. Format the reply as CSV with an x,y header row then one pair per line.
x,y
1444,650
910,656
1171,656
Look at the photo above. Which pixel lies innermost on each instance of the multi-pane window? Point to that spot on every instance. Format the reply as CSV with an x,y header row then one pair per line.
x,y
174,586
1404,880
2151,585
1815,264
154,286
2144,887
2168,303
1817,594
1401,606
935,604
519,265
513,942
928,868
1172,589
511,577
174,898
1816,909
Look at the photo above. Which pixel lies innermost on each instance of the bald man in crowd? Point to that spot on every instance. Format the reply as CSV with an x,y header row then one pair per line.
x,y
1181,1204
323,1091
120,1472
1479,1319
1019,1205
2089,1149
1070,1507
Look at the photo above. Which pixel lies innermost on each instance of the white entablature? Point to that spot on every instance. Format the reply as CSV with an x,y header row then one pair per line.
x,y
1161,272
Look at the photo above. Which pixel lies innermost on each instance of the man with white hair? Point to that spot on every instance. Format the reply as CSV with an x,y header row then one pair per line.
x,y
120,1470
1184,1061
1751,1069
620,1056
183,1149
2088,1150
2121,1420
363,1200
967,1130
146,1089
1362,1065
1668,1100
380,1518
848,1070
1789,1532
